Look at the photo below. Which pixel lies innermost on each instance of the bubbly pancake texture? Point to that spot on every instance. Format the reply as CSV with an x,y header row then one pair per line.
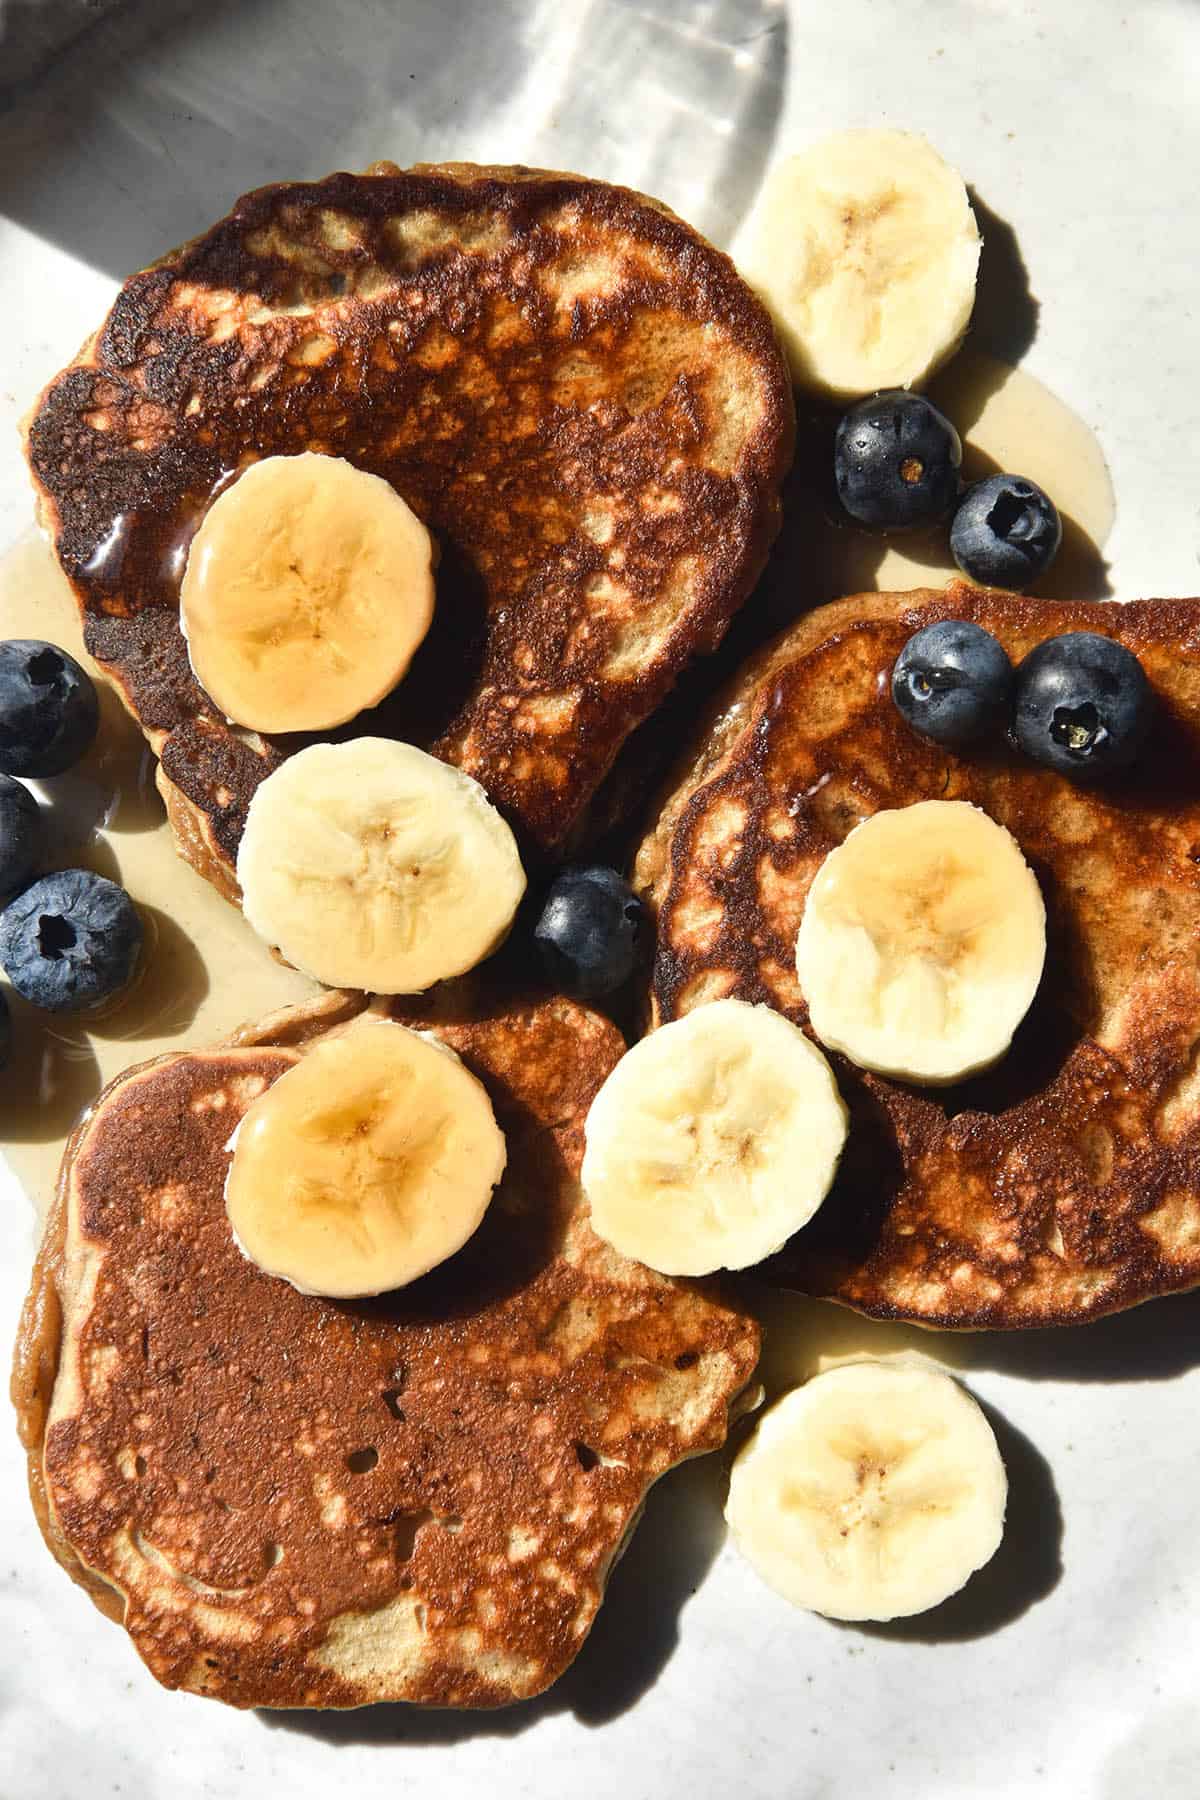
x,y
290,1501
573,390
1065,1182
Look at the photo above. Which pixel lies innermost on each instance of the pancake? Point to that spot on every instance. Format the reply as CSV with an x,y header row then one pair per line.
x,y
290,1501
575,391
1064,1183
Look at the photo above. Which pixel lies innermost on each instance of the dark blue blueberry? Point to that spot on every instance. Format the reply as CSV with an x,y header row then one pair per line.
x,y
1083,704
1006,532
589,931
19,834
48,708
953,682
895,462
70,940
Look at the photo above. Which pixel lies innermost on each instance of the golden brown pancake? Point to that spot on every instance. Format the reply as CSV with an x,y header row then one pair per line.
x,y
290,1501
573,389
1065,1183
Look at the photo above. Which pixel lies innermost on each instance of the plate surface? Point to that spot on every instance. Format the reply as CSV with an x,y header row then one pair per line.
x,y
1069,1668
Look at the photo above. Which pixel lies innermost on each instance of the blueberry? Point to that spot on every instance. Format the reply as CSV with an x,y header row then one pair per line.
x,y
895,462
19,834
1006,532
1083,704
48,708
953,682
70,940
588,933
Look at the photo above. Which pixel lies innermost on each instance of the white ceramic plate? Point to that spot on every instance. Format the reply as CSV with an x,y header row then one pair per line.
x,y
1069,1668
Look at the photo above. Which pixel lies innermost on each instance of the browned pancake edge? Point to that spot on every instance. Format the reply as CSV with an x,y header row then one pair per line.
x,y
1065,1183
294,1502
573,389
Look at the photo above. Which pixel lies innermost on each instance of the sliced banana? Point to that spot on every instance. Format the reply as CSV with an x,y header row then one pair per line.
x,y
712,1141
308,588
866,250
366,1164
873,1492
922,942
371,865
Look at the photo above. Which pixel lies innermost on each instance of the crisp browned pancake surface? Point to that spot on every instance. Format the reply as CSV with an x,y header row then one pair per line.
x,y
1065,1183
570,386
298,1502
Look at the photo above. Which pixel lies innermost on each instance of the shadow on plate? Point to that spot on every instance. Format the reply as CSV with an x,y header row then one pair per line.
x,y
800,1336
50,1079
1005,319
819,556
1156,1341
1153,1342
56,1074
1025,1568
146,128
1080,569
635,1632
167,993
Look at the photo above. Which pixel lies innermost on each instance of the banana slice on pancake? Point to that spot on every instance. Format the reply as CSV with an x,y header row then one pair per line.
x,y
713,1140
365,1165
308,589
873,1492
371,865
922,942
865,249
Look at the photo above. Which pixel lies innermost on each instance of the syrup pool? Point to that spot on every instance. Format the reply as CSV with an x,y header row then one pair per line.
x,y
203,972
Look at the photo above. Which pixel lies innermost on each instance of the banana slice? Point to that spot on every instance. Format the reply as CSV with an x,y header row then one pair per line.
x,y
371,865
866,250
712,1141
873,1492
307,590
922,942
365,1165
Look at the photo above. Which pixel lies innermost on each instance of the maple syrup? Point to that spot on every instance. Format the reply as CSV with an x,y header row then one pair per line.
x,y
204,972
1009,421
